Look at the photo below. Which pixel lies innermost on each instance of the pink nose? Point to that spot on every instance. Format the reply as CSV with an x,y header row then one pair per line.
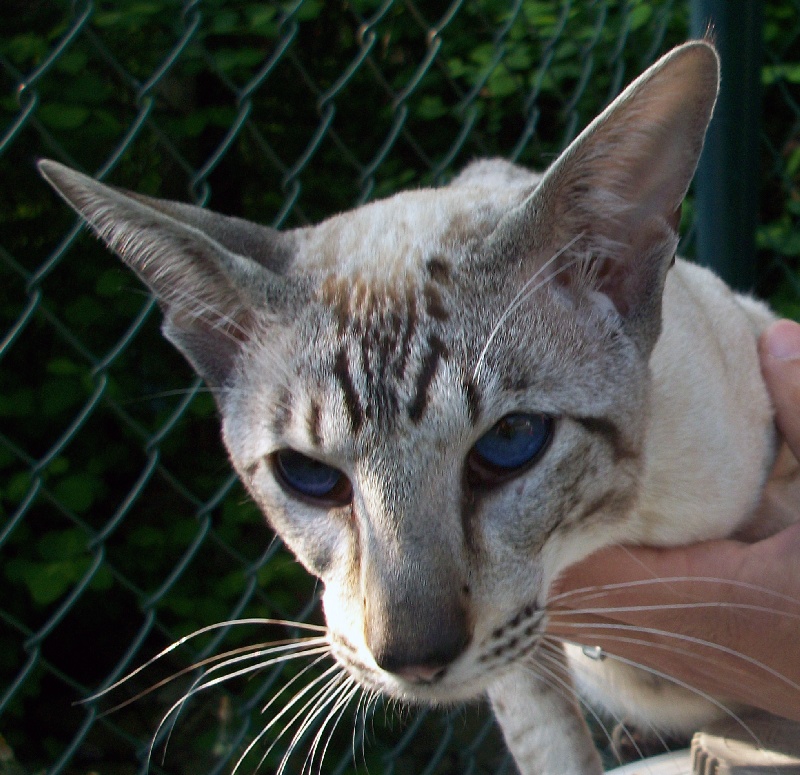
x,y
420,674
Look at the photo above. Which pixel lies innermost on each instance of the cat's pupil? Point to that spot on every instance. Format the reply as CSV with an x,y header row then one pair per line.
x,y
305,476
513,443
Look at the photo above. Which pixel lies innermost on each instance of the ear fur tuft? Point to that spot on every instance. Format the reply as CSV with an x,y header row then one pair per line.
x,y
614,196
210,294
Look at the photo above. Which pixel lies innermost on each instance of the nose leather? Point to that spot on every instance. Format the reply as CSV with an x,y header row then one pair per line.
x,y
418,645
421,674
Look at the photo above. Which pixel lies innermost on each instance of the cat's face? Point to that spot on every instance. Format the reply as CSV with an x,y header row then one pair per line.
x,y
439,400
457,480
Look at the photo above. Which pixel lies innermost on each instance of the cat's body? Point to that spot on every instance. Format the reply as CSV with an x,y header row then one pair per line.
x,y
442,399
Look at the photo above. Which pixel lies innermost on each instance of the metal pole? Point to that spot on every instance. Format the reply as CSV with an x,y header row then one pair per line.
x,y
727,181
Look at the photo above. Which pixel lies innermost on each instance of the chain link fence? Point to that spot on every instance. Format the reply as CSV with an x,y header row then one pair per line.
x,y
121,527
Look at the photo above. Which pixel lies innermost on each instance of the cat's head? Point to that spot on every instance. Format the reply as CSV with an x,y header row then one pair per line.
x,y
438,399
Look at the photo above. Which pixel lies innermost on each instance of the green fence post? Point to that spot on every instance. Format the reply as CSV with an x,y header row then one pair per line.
x,y
727,182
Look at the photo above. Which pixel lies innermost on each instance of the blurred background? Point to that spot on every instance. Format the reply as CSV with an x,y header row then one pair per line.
x,y
121,526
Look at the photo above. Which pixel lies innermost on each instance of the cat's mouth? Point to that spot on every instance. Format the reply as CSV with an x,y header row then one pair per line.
x,y
466,678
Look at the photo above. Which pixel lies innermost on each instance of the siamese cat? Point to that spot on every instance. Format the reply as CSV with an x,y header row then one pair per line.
x,y
442,399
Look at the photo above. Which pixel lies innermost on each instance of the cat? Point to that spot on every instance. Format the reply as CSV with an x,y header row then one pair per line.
x,y
442,399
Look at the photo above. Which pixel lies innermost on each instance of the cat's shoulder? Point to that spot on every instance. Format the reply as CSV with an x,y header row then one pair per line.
x,y
696,291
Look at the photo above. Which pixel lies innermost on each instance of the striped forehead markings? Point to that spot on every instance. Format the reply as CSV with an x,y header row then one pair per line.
x,y
437,351
386,321
341,372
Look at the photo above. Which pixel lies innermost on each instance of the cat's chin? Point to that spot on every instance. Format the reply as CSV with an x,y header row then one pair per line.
x,y
463,681
447,691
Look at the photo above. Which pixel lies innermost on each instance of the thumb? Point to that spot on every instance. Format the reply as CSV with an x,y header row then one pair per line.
x,y
779,349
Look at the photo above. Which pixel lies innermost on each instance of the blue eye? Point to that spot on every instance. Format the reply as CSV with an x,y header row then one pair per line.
x,y
510,446
311,479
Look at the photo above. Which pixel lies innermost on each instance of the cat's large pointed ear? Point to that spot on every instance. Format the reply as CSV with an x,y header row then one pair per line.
x,y
608,209
214,276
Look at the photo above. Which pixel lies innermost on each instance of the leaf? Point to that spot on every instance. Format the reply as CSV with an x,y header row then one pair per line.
x,y
25,48
779,238
456,67
103,579
110,282
482,54
59,394
640,16
134,15
58,466
77,492
72,62
146,537
540,15
792,168
224,22
261,19
85,311
7,457
430,107
519,58
309,10
62,544
60,116
17,487
784,72
501,83
87,89
64,367
229,59
46,581
20,403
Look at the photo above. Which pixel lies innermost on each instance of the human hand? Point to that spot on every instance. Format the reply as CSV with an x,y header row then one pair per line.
x,y
722,617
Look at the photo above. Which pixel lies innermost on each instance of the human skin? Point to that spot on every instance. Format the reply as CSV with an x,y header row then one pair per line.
x,y
728,620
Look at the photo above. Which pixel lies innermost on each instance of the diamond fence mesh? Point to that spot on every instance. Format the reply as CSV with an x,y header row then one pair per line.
x,y
121,526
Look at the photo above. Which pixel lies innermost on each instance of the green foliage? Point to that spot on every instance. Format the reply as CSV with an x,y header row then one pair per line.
x,y
116,503
778,237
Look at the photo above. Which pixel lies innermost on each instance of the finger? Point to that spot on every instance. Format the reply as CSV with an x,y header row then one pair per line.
x,y
780,363
626,568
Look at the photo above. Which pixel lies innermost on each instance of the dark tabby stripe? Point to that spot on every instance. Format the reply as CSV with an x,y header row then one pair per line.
x,y
434,305
436,351
313,424
341,370
283,412
611,434
473,397
439,270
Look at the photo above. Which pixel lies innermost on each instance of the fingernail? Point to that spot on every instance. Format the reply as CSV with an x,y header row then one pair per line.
x,y
782,340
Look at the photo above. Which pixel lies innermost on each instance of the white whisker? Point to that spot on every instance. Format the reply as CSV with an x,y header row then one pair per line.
x,y
350,689
202,685
616,718
298,677
361,710
600,590
688,639
620,609
684,685
311,710
330,675
280,692
254,651
522,294
195,634
330,698
569,690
